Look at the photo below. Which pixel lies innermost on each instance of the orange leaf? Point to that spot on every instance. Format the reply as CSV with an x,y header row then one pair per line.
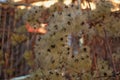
x,y
37,30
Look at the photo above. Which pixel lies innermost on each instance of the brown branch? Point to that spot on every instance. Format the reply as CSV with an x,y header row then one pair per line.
x,y
110,52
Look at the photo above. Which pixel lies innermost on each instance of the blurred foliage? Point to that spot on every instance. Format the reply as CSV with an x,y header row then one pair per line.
x,y
55,59
18,38
20,30
33,16
1,58
19,13
28,56
9,71
104,70
56,7
102,17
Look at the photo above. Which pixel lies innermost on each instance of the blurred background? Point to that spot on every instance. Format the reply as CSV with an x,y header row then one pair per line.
x,y
16,39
